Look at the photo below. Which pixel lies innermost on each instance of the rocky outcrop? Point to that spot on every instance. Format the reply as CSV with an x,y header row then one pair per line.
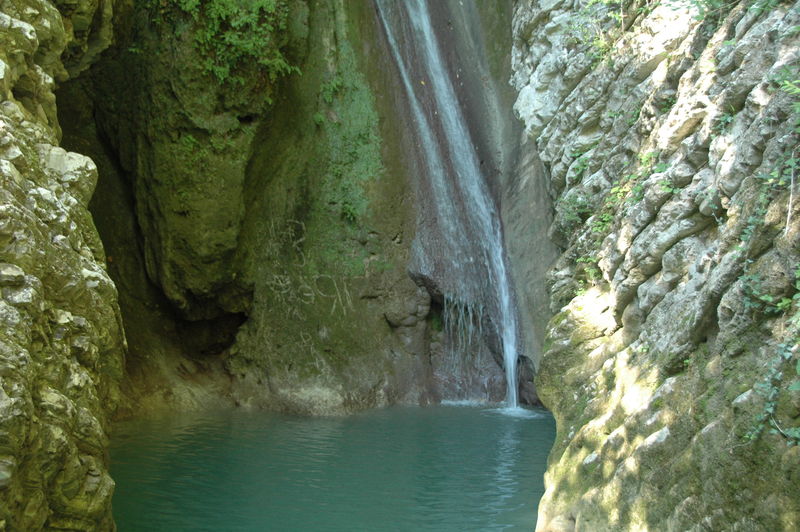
x,y
668,135
336,324
260,224
182,130
61,341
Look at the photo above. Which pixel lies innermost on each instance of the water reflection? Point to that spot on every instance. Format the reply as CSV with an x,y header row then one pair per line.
x,y
443,468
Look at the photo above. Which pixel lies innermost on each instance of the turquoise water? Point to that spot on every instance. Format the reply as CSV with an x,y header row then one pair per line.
x,y
439,468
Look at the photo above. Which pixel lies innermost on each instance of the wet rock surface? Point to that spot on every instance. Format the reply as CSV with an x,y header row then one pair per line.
x,y
259,231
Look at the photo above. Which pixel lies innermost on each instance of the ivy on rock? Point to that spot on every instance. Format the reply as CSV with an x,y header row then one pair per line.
x,y
233,37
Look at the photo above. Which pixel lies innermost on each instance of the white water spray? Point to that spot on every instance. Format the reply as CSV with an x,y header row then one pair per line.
x,y
454,174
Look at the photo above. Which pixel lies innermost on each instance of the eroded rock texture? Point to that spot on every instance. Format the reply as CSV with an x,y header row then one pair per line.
x,y
336,324
260,225
61,342
669,144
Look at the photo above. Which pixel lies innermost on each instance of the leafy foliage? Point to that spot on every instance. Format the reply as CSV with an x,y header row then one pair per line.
x,y
724,122
758,300
667,104
629,189
770,389
588,266
781,178
575,209
597,26
329,89
602,222
788,81
233,36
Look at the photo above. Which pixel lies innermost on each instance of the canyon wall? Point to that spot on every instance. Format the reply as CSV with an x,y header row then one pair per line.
x,y
668,139
259,216
260,221
257,229
61,339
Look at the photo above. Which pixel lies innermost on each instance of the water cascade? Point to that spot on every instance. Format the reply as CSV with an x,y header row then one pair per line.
x,y
458,251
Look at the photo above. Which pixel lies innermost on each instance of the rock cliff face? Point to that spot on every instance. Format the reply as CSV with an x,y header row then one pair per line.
x,y
258,229
668,135
61,341
255,222
336,324
259,221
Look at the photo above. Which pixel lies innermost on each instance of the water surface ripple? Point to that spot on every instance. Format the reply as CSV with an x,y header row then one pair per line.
x,y
439,468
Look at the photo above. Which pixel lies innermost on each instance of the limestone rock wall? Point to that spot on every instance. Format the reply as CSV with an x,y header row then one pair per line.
x,y
61,341
260,227
336,323
668,136
183,139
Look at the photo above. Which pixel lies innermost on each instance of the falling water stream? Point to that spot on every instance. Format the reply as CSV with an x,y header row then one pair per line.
x,y
442,468
467,250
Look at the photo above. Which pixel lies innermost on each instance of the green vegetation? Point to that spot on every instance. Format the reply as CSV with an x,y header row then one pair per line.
x,y
580,163
436,322
347,119
792,86
630,188
667,104
633,116
771,386
354,147
587,273
724,122
626,191
714,10
602,222
329,89
771,184
764,5
706,8
667,186
349,213
589,266
192,150
580,289
232,37
597,26
788,80
760,302
574,209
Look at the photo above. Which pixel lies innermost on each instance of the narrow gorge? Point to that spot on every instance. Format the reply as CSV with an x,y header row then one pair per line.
x,y
323,207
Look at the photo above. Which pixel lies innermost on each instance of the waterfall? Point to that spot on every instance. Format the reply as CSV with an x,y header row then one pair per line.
x,y
459,246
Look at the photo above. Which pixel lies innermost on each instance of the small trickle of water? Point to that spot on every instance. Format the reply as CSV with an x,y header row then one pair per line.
x,y
469,261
